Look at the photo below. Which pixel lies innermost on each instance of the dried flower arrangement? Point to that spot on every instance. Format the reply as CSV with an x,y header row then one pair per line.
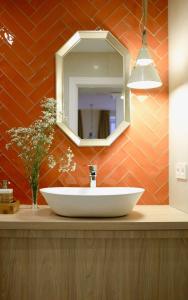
x,y
34,143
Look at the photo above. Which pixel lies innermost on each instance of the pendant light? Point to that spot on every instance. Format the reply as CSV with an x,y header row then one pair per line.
x,y
144,74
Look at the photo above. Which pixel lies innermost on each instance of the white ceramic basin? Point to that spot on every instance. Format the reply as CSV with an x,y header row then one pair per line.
x,y
92,202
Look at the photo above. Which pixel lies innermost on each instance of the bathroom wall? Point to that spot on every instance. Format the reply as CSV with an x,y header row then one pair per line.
x,y
178,66
31,32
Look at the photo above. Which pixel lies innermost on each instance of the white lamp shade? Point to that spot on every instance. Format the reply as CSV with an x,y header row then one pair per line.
x,y
144,77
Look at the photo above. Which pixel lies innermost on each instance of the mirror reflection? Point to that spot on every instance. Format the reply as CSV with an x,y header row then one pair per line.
x,y
100,111
93,89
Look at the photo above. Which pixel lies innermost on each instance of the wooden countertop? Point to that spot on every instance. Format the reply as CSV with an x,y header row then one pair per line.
x,y
143,217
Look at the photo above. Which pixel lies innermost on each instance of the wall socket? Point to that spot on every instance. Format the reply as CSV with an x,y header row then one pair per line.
x,y
181,170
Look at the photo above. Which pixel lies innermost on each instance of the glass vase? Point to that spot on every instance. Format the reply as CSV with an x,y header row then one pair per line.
x,y
35,189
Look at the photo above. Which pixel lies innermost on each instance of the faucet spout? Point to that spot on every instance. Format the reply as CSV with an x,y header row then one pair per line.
x,y
93,175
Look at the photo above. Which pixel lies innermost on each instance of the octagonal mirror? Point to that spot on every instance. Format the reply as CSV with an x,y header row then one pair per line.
x,y
92,70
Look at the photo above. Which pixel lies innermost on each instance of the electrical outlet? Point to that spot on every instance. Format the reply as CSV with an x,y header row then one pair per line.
x,y
181,170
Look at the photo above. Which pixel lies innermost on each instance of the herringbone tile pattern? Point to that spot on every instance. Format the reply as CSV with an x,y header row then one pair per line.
x,y
31,31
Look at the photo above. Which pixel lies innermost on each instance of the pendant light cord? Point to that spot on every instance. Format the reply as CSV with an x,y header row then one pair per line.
x,y
144,21
145,12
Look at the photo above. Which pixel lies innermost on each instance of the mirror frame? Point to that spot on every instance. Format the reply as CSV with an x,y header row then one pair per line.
x,y
60,119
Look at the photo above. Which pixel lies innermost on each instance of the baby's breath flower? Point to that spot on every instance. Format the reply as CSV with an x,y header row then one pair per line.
x,y
35,141
67,163
51,161
7,146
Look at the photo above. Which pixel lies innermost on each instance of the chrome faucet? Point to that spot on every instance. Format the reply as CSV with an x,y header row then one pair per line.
x,y
92,175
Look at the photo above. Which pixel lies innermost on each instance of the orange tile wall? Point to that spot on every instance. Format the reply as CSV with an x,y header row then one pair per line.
x,y
27,73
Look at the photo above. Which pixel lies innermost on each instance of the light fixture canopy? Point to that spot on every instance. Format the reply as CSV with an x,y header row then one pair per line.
x,y
144,74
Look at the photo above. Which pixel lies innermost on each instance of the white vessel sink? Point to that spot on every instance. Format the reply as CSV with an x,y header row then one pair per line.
x,y
92,202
